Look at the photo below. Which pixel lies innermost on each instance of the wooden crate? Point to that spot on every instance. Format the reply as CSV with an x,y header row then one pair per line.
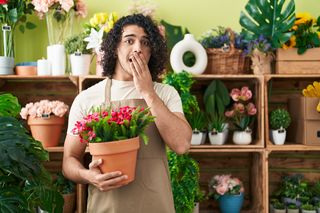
x,y
248,166
278,91
36,88
256,85
282,164
289,62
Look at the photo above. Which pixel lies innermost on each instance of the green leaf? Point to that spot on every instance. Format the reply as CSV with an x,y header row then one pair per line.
x,y
21,28
9,105
269,18
30,25
174,34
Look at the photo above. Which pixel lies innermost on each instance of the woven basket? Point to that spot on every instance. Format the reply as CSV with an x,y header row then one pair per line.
x,y
227,60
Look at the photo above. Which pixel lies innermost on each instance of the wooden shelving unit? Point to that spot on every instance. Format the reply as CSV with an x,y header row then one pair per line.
x,y
259,164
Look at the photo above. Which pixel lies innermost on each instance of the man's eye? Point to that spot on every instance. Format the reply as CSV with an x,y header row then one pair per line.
x,y
129,41
146,43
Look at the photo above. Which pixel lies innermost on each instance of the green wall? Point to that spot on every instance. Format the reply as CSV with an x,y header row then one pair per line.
x,y
198,16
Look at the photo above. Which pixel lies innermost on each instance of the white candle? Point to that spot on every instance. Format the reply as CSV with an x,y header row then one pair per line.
x,y
57,57
43,67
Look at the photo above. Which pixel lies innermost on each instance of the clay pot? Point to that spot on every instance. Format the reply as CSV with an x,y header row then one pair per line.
x,y
46,130
117,156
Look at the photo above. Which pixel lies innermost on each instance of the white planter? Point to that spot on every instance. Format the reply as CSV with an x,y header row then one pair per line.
x,y
6,65
198,137
292,210
196,208
216,138
242,137
279,210
278,136
80,64
308,211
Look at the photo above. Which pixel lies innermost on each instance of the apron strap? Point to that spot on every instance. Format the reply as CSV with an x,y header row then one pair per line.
x,y
108,92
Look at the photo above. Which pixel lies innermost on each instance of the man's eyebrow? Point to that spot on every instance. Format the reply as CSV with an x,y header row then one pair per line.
x,y
134,35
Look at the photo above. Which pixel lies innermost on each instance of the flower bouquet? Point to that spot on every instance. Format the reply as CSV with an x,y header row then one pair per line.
x,y
241,115
229,191
96,29
46,119
113,136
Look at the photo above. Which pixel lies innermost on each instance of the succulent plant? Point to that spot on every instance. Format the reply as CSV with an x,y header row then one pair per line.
x,y
280,118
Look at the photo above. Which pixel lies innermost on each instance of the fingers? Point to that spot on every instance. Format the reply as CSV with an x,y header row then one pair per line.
x,y
95,163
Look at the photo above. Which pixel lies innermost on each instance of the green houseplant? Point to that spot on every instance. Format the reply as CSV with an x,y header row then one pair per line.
x,y
270,19
198,123
67,189
24,182
308,208
184,175
279,207
292,208
280,120
80,56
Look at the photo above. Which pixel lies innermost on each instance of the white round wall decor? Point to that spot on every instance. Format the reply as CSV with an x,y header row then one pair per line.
x,y
188,44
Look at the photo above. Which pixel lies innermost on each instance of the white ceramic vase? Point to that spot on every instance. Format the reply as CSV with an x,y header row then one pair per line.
x,y
198,137
242,137
188,44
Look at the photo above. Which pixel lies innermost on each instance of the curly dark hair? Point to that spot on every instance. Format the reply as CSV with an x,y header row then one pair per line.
x,y
159,56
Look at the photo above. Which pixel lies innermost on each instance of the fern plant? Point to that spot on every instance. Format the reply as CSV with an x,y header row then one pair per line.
x,y
270,19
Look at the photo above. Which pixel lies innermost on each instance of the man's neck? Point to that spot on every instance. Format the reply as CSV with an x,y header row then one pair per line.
x,y
121,74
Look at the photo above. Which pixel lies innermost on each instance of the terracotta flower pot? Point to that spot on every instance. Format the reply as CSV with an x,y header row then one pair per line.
x,y
69,202
117,156
46,130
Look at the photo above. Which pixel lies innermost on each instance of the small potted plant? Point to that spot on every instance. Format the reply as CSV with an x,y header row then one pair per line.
x,y
197,121
67,188
46,119
218,130
279,121
228,191
113,136
308,208
279,207
241,115
79,55
292,208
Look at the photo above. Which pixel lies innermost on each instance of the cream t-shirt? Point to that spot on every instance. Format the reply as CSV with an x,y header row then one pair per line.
x,y
120,90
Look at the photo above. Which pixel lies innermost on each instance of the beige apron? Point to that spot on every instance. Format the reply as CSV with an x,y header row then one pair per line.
x,y
151,189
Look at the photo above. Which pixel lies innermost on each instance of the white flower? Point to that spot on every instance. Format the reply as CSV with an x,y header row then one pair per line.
x,y
94,39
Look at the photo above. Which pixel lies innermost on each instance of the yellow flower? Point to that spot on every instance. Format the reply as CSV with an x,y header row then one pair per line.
x,y
318,34
98,19
291,43
302,18
295,27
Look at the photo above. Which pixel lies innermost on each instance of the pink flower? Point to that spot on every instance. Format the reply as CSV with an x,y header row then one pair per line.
x,y
66,5
81,9
41,6
222,189
251,109
229,114
245,94
225,184
239,107
235,94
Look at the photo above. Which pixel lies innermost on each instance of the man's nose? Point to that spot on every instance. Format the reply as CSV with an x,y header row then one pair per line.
x,y
137,47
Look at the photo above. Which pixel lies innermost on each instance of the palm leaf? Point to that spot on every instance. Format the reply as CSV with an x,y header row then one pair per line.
x,y
269,18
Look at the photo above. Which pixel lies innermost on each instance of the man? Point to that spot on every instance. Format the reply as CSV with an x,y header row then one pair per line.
x,y
134,56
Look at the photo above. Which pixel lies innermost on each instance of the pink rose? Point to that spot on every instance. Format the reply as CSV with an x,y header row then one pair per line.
x,y
81,9
66,4
24,113
239,107
245,94
251,109
222,188
3,2
229,114
235,94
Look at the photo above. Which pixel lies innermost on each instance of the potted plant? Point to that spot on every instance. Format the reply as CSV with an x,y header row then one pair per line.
x,y
218,130
79,55
241,115
197,122
216,99
228,191
199,197
113,136
308,208
12,14
67,189
46,119
25,183
184,176
279,207
261,53
292,208
279,121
